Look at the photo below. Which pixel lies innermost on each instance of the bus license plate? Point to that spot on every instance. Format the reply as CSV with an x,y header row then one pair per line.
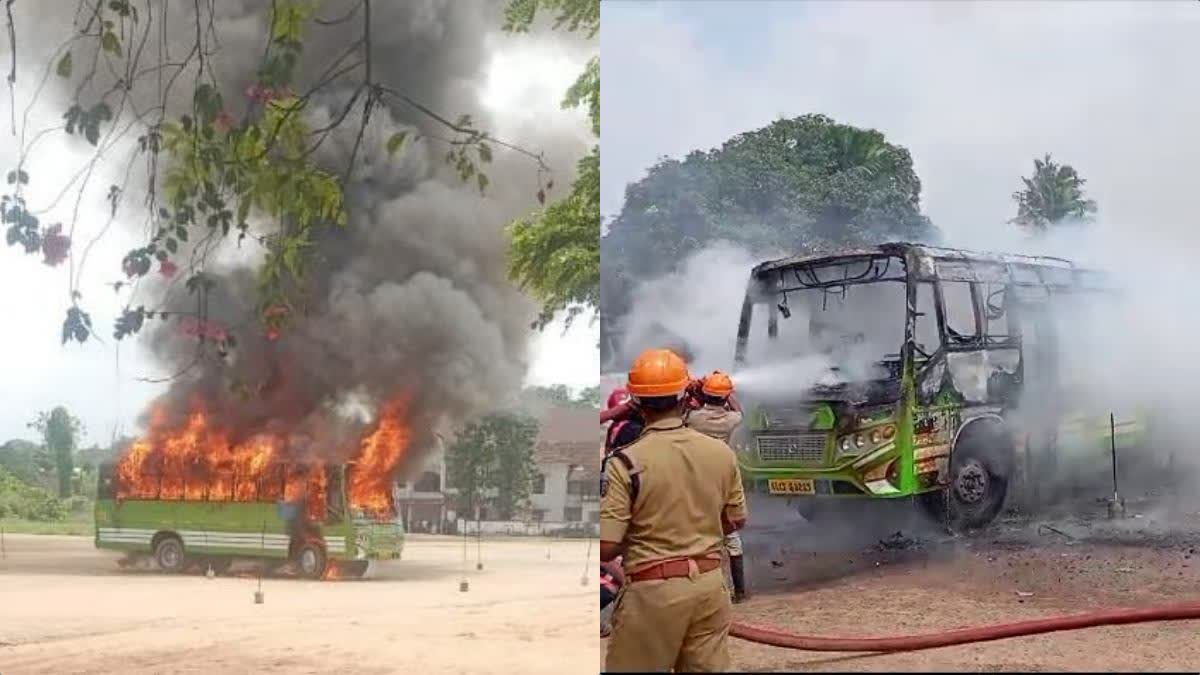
x,y
791,486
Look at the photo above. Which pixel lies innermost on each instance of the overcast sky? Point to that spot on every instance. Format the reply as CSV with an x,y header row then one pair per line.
x,y
973,90
526,81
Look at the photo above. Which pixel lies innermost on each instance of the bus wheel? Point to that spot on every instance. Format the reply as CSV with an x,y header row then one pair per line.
x,y
310,560
978,479
168,553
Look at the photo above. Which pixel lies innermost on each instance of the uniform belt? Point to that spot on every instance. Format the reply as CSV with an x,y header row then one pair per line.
x,y
679,567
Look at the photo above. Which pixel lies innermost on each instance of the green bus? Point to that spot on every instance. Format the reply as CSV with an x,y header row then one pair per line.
x,y
204,526
911,371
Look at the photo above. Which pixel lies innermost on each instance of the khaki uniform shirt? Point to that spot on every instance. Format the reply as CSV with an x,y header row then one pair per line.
x,y
687,481
715,421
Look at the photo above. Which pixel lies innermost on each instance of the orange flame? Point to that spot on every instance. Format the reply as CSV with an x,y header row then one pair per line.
x,y
196,461
333,571
379,455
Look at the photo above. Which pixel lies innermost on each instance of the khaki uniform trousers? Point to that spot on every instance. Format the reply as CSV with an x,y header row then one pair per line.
x,y
664,624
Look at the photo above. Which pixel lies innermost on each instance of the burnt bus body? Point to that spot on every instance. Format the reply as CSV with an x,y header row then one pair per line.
x,y
916,371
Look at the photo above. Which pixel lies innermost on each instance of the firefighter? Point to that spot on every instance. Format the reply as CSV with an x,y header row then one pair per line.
x,y
667,501
626,420
714,411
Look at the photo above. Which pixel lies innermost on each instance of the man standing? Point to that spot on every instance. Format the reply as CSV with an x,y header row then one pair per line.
x,y
715,412
668,499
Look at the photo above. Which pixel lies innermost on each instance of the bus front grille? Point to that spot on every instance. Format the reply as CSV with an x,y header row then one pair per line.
x,y
804,448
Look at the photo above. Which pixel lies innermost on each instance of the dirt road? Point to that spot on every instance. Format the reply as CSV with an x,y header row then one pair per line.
x,y
65,608
871,582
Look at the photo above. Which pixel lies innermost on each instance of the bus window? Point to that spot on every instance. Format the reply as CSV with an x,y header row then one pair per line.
x,y
995,311
106,485
271,482
959,309
335,505
926,335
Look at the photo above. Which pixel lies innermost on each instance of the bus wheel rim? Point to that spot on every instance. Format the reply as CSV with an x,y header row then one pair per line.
x,y
170,555
971,482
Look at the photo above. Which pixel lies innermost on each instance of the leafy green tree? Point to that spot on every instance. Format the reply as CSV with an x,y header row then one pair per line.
x,y
19,499
226,169
513,438
20,458
555,252
494,453
797,185
589,397
60,433
560,395
1052,195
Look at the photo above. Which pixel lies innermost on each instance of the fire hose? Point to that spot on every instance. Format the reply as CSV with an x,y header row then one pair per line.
x,y
1112,617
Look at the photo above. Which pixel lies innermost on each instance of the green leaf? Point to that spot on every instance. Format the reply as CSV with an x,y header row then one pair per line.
x,y
64,66
172,245
483,182
485,152
182,233
396,142
111,44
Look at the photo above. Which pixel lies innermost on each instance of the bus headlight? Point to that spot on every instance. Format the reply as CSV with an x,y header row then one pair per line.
x,y
846,444
875,437
888,432
859,441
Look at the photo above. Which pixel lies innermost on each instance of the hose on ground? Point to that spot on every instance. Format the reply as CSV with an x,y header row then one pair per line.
x,y
1112,617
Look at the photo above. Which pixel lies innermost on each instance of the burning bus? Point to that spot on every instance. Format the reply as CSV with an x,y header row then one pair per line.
x,y
914,371
187,495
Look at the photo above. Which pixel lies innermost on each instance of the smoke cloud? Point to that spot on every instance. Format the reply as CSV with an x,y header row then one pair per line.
x,y
412,296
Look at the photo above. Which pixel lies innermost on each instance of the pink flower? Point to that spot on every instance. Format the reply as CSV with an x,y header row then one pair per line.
x,y
168,269
55,246
225,121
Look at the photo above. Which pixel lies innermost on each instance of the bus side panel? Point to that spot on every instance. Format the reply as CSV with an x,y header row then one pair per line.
x,y
244,529
132,523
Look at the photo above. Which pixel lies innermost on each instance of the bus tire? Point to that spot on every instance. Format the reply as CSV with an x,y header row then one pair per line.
x,y
980,467
169,554
310,560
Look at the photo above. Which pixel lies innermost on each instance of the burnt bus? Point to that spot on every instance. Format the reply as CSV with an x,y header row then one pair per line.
x,y
920,372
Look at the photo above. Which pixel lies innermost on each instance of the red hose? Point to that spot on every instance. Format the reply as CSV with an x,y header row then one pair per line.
x,y
1112,617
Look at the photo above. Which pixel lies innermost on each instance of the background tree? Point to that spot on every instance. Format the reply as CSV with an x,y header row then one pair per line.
x,y
513,438
589,397
560,395
494,453
1052,195
220,165
468,466
555,252
21,458
797,185
60,433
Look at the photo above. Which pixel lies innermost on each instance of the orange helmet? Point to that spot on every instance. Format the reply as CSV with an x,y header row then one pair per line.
x,y
717,384
658,372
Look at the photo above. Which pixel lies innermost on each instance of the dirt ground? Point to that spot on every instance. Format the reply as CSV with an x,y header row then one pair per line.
x,y
66,608
894,577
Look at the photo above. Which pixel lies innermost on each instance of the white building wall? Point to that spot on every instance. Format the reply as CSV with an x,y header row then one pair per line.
x,y
555,497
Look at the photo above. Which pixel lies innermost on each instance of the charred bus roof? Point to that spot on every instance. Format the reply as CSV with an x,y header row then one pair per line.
x,y
929,263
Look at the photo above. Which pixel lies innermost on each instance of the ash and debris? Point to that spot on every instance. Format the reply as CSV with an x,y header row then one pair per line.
x,y
1156,533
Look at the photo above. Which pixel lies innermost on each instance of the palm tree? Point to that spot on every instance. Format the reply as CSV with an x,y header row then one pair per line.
x,y
863,149
1052,195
